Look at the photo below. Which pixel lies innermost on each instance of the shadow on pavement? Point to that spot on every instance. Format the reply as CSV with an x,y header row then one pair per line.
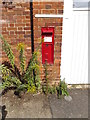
x,y
3,112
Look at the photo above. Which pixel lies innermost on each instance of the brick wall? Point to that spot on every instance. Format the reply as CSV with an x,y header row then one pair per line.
x,y
50,8
17,29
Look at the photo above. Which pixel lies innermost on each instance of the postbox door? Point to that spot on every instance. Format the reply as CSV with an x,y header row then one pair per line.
x,y
47,53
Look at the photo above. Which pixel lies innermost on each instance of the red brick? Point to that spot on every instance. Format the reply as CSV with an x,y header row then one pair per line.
x,y
26,36
28,24
12,25
19,20
28,17
26,12
3,28
20,28
11,29
11,32
60,11
26,28
4,25
21,24
48,6
53,24
51,11
5,32
20,32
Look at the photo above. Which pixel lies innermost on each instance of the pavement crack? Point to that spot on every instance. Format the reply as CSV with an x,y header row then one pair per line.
x,y
50,106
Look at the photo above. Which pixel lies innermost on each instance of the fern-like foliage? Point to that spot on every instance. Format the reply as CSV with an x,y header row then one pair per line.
x,y
20,47
33,66
62,88
6,47
12,77
5,72
8,80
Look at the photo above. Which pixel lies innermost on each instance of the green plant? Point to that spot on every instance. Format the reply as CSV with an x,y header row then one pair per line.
x,y
23,79
49,89
20,48
8,79
52,89
46,88
6,47
62,88
27,78
33,66
46,85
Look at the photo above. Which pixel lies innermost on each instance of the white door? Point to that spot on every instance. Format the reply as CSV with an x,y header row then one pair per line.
x,y
74,56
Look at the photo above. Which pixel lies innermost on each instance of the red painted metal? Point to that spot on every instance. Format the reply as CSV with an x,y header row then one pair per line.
x,y
47,47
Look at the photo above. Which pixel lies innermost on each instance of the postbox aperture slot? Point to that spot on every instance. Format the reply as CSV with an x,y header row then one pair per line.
x,y
46,33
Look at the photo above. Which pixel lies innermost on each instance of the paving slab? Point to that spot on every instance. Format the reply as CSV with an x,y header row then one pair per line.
x,y
76,108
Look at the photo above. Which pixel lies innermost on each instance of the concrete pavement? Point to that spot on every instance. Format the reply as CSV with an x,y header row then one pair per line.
x,y
41,106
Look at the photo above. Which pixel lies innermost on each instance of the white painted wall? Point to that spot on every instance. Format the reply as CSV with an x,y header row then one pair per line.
x,y
74,56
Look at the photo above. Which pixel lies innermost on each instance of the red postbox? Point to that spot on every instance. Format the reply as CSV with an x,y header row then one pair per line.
x,y
47,45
